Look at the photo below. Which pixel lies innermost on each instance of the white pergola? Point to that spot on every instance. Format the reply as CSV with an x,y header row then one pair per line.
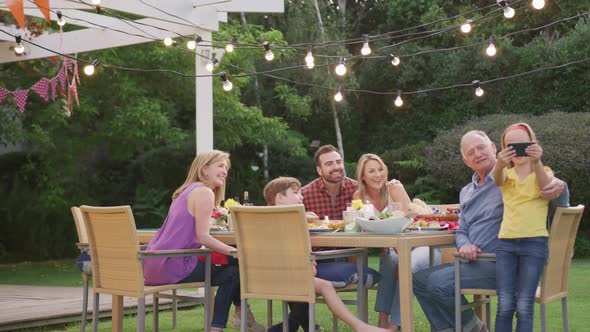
x,y
205,16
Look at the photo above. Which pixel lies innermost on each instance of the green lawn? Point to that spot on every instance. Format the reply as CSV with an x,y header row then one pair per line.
x,y
63,273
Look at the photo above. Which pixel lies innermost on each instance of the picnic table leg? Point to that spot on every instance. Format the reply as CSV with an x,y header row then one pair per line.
x,y
406,291
117,323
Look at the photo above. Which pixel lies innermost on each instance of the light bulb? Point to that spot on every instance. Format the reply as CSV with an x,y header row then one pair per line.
x,y
509,12
96,2
89,69
61,22
227,85
466,27
479,91
309,60
19,48
269,55
209,66
491,50
366,50
191,44
395,61
340,69
168,41
338,96
398,101
538,4
229,48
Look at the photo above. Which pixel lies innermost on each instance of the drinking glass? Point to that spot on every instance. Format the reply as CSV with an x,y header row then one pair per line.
x,y
349,220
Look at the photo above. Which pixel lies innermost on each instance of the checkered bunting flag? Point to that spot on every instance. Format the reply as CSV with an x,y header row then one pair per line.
x,y
21,99
42,89
61,77
3,93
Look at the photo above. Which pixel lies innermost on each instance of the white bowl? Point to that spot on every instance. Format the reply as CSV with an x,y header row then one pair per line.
x,y
389,225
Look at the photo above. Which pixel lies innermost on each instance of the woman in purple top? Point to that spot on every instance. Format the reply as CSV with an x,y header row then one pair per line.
x,y
187,227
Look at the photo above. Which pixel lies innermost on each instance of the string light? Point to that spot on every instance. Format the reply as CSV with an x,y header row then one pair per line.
x,y
19,48
309,61
341,67
209,66
98,9
338,96
508,11
230,47
478,90
168,41
60,20
227,85
394,60
366,50
491,50
538,4
466,27
398,101
192,44
89,69
96,2
268,54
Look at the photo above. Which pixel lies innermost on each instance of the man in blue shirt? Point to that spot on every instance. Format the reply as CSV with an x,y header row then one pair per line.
x,y
479,224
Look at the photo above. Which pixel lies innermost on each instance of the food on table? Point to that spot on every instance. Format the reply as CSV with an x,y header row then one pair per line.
x,y
336,225
312,218
438,217
317,226
418,209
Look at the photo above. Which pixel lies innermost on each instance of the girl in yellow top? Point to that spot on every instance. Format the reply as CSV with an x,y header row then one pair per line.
x,y
522,252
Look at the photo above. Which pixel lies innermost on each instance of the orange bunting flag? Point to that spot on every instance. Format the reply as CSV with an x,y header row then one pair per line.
x,y
44,8
17,10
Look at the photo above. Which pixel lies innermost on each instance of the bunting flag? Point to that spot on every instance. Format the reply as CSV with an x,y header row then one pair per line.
x,y
21,99
68,64
76,74
68,88
3,93
43,6
17,10
42,89
61,78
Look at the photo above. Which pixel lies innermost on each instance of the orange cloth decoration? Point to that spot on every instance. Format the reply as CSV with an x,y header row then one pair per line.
x,y
17,10
44,8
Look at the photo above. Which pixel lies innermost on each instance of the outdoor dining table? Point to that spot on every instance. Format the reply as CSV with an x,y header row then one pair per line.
x,y
404,242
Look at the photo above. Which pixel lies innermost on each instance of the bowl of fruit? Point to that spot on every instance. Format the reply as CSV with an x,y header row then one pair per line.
x,y
383,223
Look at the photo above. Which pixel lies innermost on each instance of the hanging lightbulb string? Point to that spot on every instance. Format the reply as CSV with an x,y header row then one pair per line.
x,y
389,33
399,93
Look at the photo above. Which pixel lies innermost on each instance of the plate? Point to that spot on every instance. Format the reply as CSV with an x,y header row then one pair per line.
x,y
320,230
439,228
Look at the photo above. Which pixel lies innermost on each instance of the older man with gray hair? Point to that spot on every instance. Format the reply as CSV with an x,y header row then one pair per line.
x,y
479,224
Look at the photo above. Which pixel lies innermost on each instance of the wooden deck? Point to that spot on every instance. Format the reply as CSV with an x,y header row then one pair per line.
x,y
30,306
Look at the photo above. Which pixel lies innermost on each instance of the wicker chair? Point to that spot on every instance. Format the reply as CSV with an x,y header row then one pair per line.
x,y
276,262
86,275
553,285
117,262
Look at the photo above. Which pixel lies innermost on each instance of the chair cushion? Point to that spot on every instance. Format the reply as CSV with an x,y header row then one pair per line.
x,y
344,274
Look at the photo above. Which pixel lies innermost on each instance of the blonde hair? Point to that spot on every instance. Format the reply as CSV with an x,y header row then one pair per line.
x,y
279,186
360,170
522,126
197,173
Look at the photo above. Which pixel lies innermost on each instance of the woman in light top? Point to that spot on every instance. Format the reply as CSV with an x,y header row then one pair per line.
x,y
371,174
522,251
187,227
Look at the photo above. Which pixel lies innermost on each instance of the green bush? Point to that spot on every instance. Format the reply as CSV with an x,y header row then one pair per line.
x,y
563,136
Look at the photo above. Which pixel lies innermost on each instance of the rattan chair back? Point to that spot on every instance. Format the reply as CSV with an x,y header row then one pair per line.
x,y
274,253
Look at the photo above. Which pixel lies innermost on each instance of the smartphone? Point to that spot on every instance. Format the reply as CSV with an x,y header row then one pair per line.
x,y
520,148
